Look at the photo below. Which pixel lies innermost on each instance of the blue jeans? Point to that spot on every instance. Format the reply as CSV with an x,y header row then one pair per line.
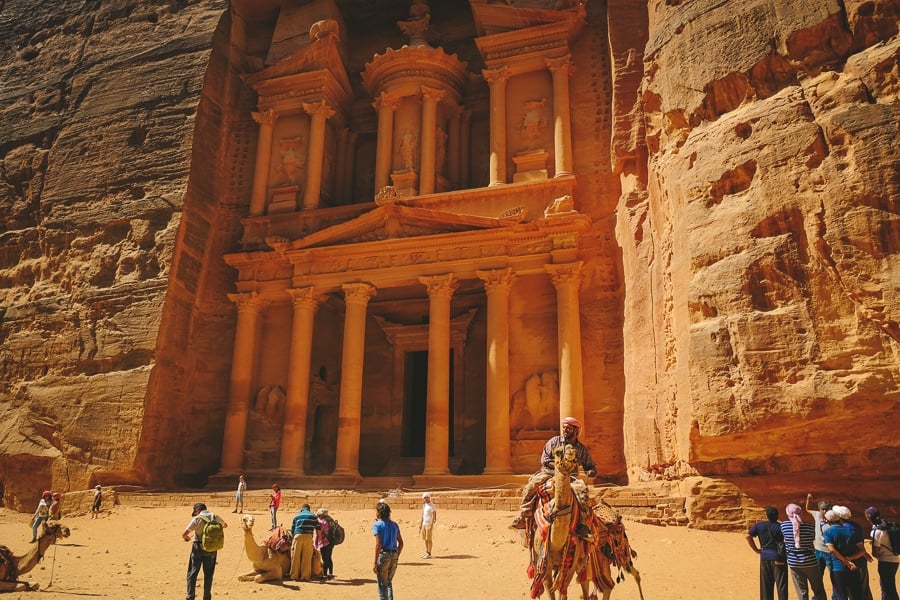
x,y
887,576
387,565
205,560
36,526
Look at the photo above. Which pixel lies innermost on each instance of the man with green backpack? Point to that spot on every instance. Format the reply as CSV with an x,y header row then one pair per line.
x,y
206,531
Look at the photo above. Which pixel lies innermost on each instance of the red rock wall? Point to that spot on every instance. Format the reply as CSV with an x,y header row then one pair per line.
x,y
762,245
750,331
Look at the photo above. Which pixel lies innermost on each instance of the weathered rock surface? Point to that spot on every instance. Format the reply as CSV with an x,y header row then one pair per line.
x,y
755,213
761,248
97,103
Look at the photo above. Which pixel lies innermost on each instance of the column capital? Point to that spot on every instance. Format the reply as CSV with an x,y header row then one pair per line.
x,y
265,117
499,75
307,297
358,293
248,301
433,94
565,274
387,101
320,107
562,63
440,285
497,280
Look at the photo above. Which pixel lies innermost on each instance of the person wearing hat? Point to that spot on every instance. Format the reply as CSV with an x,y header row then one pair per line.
x,y
199,558
55,506
570,430
426,525
41,514
888,562
822,554
847,551
323,545
95,504
275,504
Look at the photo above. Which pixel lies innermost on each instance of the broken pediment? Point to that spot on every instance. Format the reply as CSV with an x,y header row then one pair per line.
x,y
394,221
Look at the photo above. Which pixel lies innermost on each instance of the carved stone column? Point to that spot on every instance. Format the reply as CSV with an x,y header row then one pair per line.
x,y
319,112
567,278
562,120
430,99
497,285
386,104
266,120
356,298
465,132
453,139
437,413
496,78
249,306
346,173
293,432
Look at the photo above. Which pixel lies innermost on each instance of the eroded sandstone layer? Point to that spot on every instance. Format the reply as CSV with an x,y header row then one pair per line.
x,y
738,156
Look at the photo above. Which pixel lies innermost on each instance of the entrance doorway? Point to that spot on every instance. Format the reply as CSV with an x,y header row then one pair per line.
x,y
415,404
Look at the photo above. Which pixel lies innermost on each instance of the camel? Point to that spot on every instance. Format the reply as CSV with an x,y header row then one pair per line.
x,y
268,565
12,566
558,554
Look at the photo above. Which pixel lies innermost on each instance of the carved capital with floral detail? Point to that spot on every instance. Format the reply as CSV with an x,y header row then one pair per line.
x,y
493,76
358,293
265,117
565,274
307,297
563,64
440,285
497,280
387,101
318,108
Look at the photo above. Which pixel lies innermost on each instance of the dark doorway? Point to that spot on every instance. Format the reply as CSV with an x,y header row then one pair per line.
x,y
415,404
415,400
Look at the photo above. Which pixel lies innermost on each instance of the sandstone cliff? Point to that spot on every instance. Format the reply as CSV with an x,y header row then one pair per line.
x,y
757,222
760,233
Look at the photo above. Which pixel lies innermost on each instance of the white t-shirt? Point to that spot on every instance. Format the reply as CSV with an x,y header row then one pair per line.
x,y
881,546
428,512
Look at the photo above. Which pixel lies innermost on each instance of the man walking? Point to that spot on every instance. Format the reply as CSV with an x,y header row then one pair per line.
x,y
200,558
303,529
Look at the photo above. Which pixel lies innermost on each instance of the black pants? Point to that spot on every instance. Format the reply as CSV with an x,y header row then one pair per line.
x,y
772,574
205,560
327,564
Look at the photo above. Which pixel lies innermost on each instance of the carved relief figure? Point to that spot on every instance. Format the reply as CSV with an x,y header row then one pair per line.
x,y
291,160
535,403
270,402
533,123
409,142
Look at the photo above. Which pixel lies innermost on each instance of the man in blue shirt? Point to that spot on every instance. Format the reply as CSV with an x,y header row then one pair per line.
x,y
847,549
388,546
303,529
772,567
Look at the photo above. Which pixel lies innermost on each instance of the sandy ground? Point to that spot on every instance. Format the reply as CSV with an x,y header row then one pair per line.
x,y
132,553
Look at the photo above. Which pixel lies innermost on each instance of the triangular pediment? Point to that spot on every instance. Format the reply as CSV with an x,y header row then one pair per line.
x,y
394,221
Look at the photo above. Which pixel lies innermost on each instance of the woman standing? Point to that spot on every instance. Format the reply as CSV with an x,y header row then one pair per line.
x,y
274,504
388,546
323,545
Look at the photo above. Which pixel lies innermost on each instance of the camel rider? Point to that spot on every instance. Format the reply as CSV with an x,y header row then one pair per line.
x,y
570,430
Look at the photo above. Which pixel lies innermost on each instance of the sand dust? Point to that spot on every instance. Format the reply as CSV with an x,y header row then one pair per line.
x,y
138,553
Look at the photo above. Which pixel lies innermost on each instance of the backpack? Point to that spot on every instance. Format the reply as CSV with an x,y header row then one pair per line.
x,y
778,537
213,537
892,530
335,533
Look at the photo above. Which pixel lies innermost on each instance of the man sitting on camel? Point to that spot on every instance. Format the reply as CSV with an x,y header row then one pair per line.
x,y
570,428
